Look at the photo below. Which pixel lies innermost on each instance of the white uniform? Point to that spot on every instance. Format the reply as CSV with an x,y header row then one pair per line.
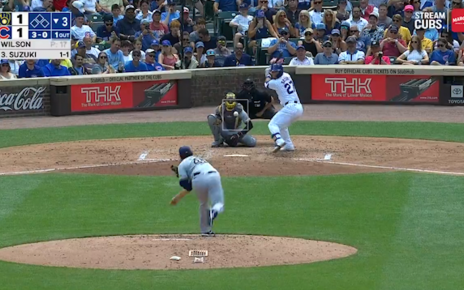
x,y
292,109
206,183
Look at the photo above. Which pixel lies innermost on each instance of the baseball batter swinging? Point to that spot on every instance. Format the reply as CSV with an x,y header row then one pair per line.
x,y
233,131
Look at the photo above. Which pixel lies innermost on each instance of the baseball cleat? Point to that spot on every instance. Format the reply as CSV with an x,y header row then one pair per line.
x,y
217,144
212,215
279,144
287,149
209,234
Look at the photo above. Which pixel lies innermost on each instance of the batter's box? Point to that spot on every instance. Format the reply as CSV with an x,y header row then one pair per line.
x,y
198,253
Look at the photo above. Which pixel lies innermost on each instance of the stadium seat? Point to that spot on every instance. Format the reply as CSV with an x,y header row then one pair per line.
x,y
355,3
222,23
332,4
96,18
287,60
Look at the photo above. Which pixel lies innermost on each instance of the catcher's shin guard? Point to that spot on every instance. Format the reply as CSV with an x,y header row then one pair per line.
x,y
215,125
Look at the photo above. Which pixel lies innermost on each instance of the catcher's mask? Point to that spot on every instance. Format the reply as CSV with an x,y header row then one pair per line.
x,y
230,103
248,85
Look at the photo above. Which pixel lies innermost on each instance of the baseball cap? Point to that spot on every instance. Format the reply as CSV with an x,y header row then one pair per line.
x,y
335,31
351,39
186,10
409,8
300,46
79,6
320,26
171,2
130,7
199,44
150,50
155,42
375,14
81,44
375,43
145,21
393,28
260,14
345,24
79,15
327,43
283,30
210,52
188,49
310,30
157,11
244,6
166,43
221,38
4,61
185,151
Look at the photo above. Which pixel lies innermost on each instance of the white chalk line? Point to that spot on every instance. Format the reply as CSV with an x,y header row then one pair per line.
x,y
172,239
379,166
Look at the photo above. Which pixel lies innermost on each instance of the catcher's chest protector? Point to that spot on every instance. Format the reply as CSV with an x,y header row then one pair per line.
x,y
230,121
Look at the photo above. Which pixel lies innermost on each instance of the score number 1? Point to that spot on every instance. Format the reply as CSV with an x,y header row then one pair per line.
x,y
20,19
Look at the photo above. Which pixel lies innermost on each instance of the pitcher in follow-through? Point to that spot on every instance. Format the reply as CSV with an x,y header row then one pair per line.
x,y
282,83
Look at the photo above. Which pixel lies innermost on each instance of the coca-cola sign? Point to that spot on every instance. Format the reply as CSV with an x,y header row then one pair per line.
x,y
28,99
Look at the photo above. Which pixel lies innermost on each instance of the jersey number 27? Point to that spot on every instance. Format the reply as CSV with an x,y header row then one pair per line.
x,y
289,87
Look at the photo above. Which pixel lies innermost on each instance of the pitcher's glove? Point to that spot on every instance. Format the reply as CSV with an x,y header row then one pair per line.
x,y
175,169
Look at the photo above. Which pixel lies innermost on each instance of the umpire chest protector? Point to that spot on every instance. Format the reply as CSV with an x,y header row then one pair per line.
x,y
229,120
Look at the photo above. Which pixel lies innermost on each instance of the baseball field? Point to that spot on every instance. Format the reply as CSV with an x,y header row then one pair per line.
x,y
373,198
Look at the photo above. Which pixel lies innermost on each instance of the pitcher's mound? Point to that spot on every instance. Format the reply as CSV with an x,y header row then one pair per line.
x,y
155,251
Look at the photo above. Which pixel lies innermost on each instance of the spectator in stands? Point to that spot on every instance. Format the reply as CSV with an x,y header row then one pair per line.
x,y
150,61
282,46
167,57
268,12
138,46
61,5
55,69
128,26
115,12
188,22
393,45
356,19
135,65
221,52
330,21
395,7
327,56
145,34
29,69
102,66
159,28
88,59
185,42
144,13
397,20
293,13
301,58
78,66
211,60
79,30
189,62
241,22
304,22
158,5
200,54
239,58
281,22
345,30
416,4
367,9
338,44
14,66
415,54
259,28
304,4
376,56
226,5
46,4
5,70
372,31
316,13
460,59
427,44
362,43
352,55
200,24
384,21
453,44
107,30
342,13
209,41
408,20
174,36
114,55
310,44
126,47
320,35
171,13
443,55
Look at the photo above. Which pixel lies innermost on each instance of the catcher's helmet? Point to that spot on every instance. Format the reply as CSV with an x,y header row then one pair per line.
x,y
249,84
185,152
277,67
230,103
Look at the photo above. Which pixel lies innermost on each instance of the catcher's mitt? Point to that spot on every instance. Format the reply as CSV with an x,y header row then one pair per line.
x,y
175,169
233,140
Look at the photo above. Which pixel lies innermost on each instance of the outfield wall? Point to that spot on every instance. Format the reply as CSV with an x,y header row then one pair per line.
x,y
204,87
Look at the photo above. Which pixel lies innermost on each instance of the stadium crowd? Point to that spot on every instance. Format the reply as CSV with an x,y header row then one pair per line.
x,y
114,36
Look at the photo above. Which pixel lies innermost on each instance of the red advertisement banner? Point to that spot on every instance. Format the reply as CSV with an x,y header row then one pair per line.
x,y
375,88
124,95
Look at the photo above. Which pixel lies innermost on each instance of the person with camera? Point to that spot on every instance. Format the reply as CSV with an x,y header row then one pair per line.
x,y
189,62
145,34
376,56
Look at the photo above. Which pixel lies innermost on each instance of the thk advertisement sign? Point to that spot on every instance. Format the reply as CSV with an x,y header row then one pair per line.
x,y
126,95
14,99
375,88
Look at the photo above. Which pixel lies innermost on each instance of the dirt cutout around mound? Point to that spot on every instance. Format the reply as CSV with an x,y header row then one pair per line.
x,y
314,155
155,251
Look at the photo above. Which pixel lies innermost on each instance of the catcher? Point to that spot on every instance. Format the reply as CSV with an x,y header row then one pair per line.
x,y
260,103
197,174
233,131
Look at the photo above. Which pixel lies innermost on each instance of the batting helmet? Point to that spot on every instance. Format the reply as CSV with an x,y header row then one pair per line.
x,y
185,152
277,67
230,103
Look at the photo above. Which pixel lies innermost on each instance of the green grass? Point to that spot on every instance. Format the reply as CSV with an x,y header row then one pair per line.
x,y
415,130
407,228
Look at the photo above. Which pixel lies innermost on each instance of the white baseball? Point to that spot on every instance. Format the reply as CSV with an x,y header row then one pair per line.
x,y
235,114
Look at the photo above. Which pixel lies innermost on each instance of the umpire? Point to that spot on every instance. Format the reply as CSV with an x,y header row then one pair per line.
x,y
259,102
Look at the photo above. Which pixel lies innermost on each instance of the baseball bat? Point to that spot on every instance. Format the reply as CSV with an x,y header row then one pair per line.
x,y
179,196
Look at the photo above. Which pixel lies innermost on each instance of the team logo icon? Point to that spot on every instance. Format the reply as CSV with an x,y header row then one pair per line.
x,y
5,18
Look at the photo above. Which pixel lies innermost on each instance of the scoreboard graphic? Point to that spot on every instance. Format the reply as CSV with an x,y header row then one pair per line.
x,y
35,35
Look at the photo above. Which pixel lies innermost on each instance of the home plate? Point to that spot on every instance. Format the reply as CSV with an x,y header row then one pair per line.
x,y
236,155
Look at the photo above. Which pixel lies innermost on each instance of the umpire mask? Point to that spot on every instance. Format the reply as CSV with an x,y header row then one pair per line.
x,y
248,85
230,103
